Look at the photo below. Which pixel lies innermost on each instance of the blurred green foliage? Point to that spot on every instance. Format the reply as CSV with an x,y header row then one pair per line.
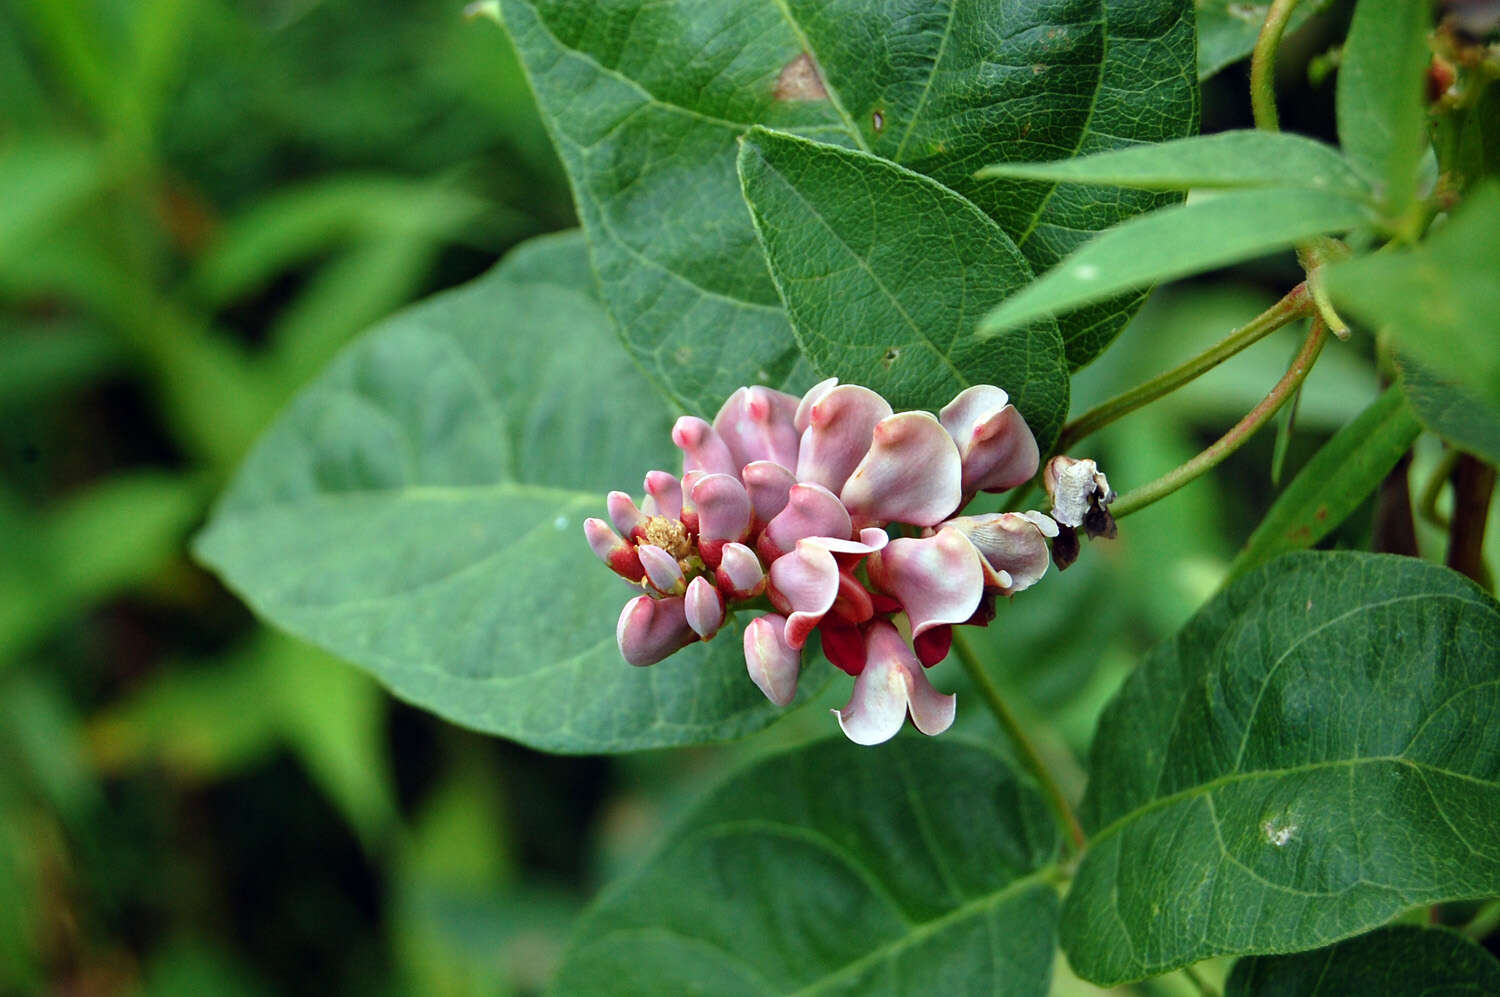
x,y
199,203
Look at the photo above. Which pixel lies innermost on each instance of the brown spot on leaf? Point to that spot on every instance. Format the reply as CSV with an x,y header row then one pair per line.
x,y
890,356
800,80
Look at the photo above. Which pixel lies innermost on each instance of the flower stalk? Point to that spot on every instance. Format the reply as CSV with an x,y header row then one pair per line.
x,y
1263,65
1056,801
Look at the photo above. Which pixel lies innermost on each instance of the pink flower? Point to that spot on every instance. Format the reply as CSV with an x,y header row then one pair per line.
x,y
783,504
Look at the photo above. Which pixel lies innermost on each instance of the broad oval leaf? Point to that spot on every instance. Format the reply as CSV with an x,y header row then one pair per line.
x,y
1178,241
646,100
1399,959
885,274
1343,472
418,511
916,867
1249,158
1317,750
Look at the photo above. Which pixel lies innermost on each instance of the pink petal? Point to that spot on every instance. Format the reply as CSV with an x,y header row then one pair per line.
x,y
840,427
804,584
652,629
704,607
628,520
995,444
770,660
804,408
1012,545
723,514
871,539
690,481
757,424
739,574
662,569
938,579
931,711
702,448
811,511
666,491
613,551
769,485
912,474
877,708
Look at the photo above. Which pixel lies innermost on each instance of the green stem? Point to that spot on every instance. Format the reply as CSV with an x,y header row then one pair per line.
x,y
1433,490
1263,65
1029,757
1197,980
1139,498
1293,306
1485,922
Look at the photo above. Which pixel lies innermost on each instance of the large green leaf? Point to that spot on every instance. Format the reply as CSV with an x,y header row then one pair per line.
x,y
1318,749
1249,158
1382,119
918,867
1343,472
885,274
1439,299
1177,241
959,84
1399,959
418,510
645,102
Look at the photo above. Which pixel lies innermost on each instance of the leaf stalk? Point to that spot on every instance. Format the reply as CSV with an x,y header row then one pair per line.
x,y
1139,498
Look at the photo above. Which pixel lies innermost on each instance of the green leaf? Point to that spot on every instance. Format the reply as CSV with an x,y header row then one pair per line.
x,y
1450,411
1316,751
1174,242
1398,959
418,511
1227,30
839,228
1333,484
646,101
920,867
1225,160
1438,300
1382,121
958,85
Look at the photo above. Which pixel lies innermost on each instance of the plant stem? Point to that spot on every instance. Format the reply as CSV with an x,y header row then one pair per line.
x,y
1263,65
1433,490
1293,306
1033,762
1231,441
1198,981
1484,922
1473,483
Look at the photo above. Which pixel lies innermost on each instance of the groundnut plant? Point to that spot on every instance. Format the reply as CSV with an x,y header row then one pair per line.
x,y
782,441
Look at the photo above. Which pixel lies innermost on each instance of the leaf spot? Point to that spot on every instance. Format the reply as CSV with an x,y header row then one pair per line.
x,y
1086,271
800,80
877,121
890,356
1278,830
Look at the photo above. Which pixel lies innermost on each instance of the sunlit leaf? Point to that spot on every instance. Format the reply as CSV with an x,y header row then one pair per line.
x,y
418,511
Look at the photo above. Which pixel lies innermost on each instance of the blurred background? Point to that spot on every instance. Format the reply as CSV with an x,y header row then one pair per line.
x,y
200,202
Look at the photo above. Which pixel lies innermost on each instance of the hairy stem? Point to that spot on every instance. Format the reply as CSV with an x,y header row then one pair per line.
x,y
1263,65
1293,306
1033,762
1473,484
1139,498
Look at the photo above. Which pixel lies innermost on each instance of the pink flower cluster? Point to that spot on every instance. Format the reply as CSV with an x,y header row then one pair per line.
x,y
783,506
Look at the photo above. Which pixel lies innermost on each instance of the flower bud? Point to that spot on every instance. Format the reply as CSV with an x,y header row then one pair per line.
x,y
770,660
652,629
